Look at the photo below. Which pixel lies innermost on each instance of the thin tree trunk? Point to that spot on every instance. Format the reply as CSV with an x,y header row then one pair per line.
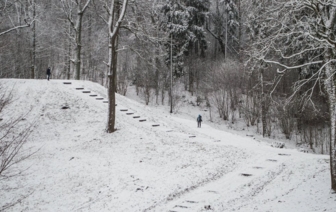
x,y
69,54
240,31
116,13
89,68
263,105
33,66
331,92
157,79
78,43
191,77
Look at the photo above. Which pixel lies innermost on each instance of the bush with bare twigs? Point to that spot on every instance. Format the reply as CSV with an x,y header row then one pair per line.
x,y
13,136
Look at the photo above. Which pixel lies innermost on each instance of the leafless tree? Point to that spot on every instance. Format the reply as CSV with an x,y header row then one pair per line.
x,y
74,11
7,8
290,42
115,11
13,137
224,82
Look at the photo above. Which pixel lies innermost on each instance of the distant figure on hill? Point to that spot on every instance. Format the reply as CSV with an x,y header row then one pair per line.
x,y
48,73
199,120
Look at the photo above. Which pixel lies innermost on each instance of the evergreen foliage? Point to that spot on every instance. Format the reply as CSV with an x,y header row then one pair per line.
x,y
184,21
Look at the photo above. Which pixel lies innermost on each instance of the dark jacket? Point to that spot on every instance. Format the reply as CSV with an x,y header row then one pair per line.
x,y
48,71
199,118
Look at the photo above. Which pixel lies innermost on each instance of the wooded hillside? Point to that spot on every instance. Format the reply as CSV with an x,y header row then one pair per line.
x,y
266,62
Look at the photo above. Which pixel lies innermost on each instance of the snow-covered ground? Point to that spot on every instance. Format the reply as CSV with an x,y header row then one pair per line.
x,y
171,167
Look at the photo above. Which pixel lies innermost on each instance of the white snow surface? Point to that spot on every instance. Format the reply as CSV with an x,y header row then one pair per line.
x,y
79,167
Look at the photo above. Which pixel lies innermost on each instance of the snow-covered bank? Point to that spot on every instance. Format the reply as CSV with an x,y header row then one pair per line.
x,y
143,168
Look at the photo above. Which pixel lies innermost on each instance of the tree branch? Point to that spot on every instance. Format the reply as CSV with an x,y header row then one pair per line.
x,y
17,27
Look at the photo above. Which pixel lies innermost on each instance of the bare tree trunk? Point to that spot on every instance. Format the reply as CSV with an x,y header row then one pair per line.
x,y
116,13
263,104
111,86
77,26
157,78
69,54
331,93
191,76
33,66
89,65
78,43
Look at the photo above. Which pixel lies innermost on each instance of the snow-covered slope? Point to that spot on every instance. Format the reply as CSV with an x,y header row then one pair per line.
x,y
79,167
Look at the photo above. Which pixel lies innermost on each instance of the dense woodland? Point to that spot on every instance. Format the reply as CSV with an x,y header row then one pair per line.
x,y
270,63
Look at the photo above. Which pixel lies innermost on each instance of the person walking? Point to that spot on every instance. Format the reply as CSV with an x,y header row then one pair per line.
x,y
199,121
48,73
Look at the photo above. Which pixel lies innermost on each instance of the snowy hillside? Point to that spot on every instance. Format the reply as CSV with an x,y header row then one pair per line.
x,y
171,167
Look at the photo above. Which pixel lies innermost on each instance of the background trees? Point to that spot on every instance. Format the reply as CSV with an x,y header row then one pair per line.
x,y
267,63
74,12
300,36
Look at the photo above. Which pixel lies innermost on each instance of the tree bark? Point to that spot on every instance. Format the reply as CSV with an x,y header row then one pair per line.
x,y
263,105
112,83
331,93
69,54
116,13
191,81
78,42
32,73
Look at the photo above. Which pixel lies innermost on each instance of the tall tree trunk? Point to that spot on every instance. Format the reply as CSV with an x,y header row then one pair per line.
x,y
33,66
240,27
191,75
69,54
157,78
191,81
331,93
89,61
112,85
78,42
226,34
116,13
263,104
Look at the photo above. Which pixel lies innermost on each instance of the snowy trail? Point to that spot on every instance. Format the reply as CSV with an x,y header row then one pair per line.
x,y
144,168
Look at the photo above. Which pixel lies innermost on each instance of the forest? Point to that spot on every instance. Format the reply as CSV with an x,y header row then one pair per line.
x,y
270,63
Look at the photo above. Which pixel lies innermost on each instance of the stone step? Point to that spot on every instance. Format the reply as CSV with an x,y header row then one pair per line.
x,y
180,206
129,113
282,154
93,95
79,88
67,83
86,91
123,110
105,101
136,117
257,167
192,136
142,120
99,98
155,125
191,201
